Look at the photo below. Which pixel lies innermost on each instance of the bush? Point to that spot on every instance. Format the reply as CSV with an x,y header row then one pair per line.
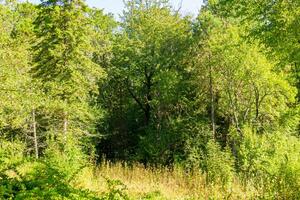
x,y
273,162
156,195
11,159
219,164
182,142
11,153
116,190
48,178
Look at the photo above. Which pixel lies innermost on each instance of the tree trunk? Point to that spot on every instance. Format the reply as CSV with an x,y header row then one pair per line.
x,y
65,131
35,135
212,103
256,91
147,106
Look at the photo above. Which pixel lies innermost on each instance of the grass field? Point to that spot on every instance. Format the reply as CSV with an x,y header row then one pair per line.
x,y
138,182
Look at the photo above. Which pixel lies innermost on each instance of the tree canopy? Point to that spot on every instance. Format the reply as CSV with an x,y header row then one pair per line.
x,y
217,93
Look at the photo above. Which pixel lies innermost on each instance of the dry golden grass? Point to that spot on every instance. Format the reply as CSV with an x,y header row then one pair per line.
x,y
170,184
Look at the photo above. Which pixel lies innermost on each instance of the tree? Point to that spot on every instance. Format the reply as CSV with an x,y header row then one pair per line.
x,y
246,88
64,63
103,26
19,97
149,78
273,23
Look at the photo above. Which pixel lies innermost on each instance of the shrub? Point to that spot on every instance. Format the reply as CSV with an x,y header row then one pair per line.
x,y
48,178
219,164
11,156
156,195
272,160
11,153
182,142
116,190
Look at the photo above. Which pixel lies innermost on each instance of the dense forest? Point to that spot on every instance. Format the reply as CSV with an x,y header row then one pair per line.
x,y
155,105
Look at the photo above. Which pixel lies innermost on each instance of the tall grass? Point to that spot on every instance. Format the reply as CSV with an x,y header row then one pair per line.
x,y
161,183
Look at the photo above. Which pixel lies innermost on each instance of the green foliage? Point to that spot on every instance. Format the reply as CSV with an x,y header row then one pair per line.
x,y
66,157
11,153
50,178
217,94
63,63
272,160
153,195
183,142
62,53
146,77
16,88
219,164
273,23
116,191
245,84
102,34
11,156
